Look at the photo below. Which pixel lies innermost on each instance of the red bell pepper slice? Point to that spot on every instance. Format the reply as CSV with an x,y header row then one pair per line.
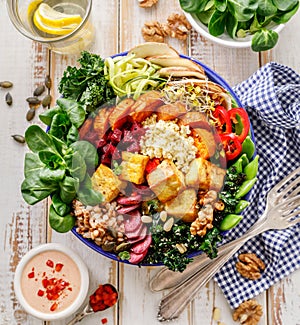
x,y
240,122
223,124
151,165
231,144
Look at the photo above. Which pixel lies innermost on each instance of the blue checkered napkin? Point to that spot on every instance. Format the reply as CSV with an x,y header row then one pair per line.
x,y
272,99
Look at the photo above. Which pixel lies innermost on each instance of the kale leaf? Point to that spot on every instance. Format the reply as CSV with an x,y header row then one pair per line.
x,y
87,84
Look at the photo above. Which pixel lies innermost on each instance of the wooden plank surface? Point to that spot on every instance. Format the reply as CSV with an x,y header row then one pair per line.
x,y
118,24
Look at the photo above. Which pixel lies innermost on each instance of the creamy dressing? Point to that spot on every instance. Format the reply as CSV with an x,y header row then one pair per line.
x,y
45,269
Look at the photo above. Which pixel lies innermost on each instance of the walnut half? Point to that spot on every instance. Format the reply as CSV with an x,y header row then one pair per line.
x,y
147,3
178,26
153,32
248,313
250,266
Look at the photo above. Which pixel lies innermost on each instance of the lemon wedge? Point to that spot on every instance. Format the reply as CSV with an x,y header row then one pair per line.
x,y
54,22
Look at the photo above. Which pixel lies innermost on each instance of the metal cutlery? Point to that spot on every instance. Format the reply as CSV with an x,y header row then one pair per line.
x,y
282,209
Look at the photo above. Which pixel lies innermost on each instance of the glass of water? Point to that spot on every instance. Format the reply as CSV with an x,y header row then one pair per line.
x,y
63,25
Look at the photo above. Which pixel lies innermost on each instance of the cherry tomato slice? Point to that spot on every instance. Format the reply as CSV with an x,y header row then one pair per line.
x,y
223,124
231,144
240,122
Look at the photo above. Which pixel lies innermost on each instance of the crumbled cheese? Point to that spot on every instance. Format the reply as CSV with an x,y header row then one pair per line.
x,y
166,139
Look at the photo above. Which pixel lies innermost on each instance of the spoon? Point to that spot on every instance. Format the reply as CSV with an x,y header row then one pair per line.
x,y
104,297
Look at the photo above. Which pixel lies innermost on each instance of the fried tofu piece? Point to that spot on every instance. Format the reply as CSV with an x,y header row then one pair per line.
x,y
106,182
133,167
166,181
146,105
184,206
204,175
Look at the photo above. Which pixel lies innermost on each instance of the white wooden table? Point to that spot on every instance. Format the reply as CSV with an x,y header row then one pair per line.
x,y
25,63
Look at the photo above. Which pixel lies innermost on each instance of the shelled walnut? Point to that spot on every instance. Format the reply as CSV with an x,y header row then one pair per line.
x,y
178,26
250,266
147,3
153,32
248,313
203,222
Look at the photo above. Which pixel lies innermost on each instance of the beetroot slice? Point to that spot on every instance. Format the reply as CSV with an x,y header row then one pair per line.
x,y
137,258
142,246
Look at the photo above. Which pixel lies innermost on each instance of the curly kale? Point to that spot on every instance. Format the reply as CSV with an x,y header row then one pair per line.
x,y
163,247
232,183
88,83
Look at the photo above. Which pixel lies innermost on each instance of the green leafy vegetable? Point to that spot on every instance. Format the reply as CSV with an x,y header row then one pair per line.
x,y
87,84
243,17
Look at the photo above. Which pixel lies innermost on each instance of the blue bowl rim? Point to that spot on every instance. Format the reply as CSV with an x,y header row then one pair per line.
x,y
213,76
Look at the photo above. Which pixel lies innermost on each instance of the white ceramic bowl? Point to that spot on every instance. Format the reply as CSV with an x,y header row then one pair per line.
x,y
82,293
225,39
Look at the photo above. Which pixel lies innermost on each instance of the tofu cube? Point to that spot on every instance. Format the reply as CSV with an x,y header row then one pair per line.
x,y
204,175
133,167
106,182
166,181
184,206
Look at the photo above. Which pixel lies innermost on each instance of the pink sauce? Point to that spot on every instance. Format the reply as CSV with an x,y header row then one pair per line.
x,y
50,282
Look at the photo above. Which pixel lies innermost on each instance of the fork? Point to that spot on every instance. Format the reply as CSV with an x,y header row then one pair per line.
x,y
282,208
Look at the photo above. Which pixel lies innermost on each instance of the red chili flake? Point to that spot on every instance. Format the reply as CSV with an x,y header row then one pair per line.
x,y
58,267
30,275
104,320
40,293
50,263
54,307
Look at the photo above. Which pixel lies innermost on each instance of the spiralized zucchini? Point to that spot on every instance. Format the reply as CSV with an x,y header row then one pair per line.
x,y
131,76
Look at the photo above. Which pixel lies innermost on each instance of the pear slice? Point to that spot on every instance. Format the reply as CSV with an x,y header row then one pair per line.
x,y
180,72
167,61
148,49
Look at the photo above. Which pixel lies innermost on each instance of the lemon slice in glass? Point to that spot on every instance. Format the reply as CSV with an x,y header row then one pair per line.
x,y
54,22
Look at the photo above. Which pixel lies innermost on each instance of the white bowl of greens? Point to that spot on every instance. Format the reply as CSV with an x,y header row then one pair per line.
x,y
241,23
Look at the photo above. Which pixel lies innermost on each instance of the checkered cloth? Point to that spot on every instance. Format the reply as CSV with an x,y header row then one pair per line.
x,y
272,99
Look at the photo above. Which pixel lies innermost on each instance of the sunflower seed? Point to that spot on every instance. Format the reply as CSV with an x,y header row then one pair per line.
x,y
6,84
8,99
33,100
30,114
146,219
46,100
168,224
39,90
19,138
48,82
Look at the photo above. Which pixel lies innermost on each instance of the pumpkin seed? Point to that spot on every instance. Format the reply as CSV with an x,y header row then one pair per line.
x,y
108,246
8,99
30,114
6,84
48,82
122,247
46,100
19,138
39,90
163,216
33,100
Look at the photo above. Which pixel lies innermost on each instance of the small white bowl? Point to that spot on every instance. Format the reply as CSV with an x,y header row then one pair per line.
x,y
82,292
225,39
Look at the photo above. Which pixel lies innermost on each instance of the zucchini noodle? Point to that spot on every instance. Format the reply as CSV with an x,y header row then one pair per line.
x,y
130,76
